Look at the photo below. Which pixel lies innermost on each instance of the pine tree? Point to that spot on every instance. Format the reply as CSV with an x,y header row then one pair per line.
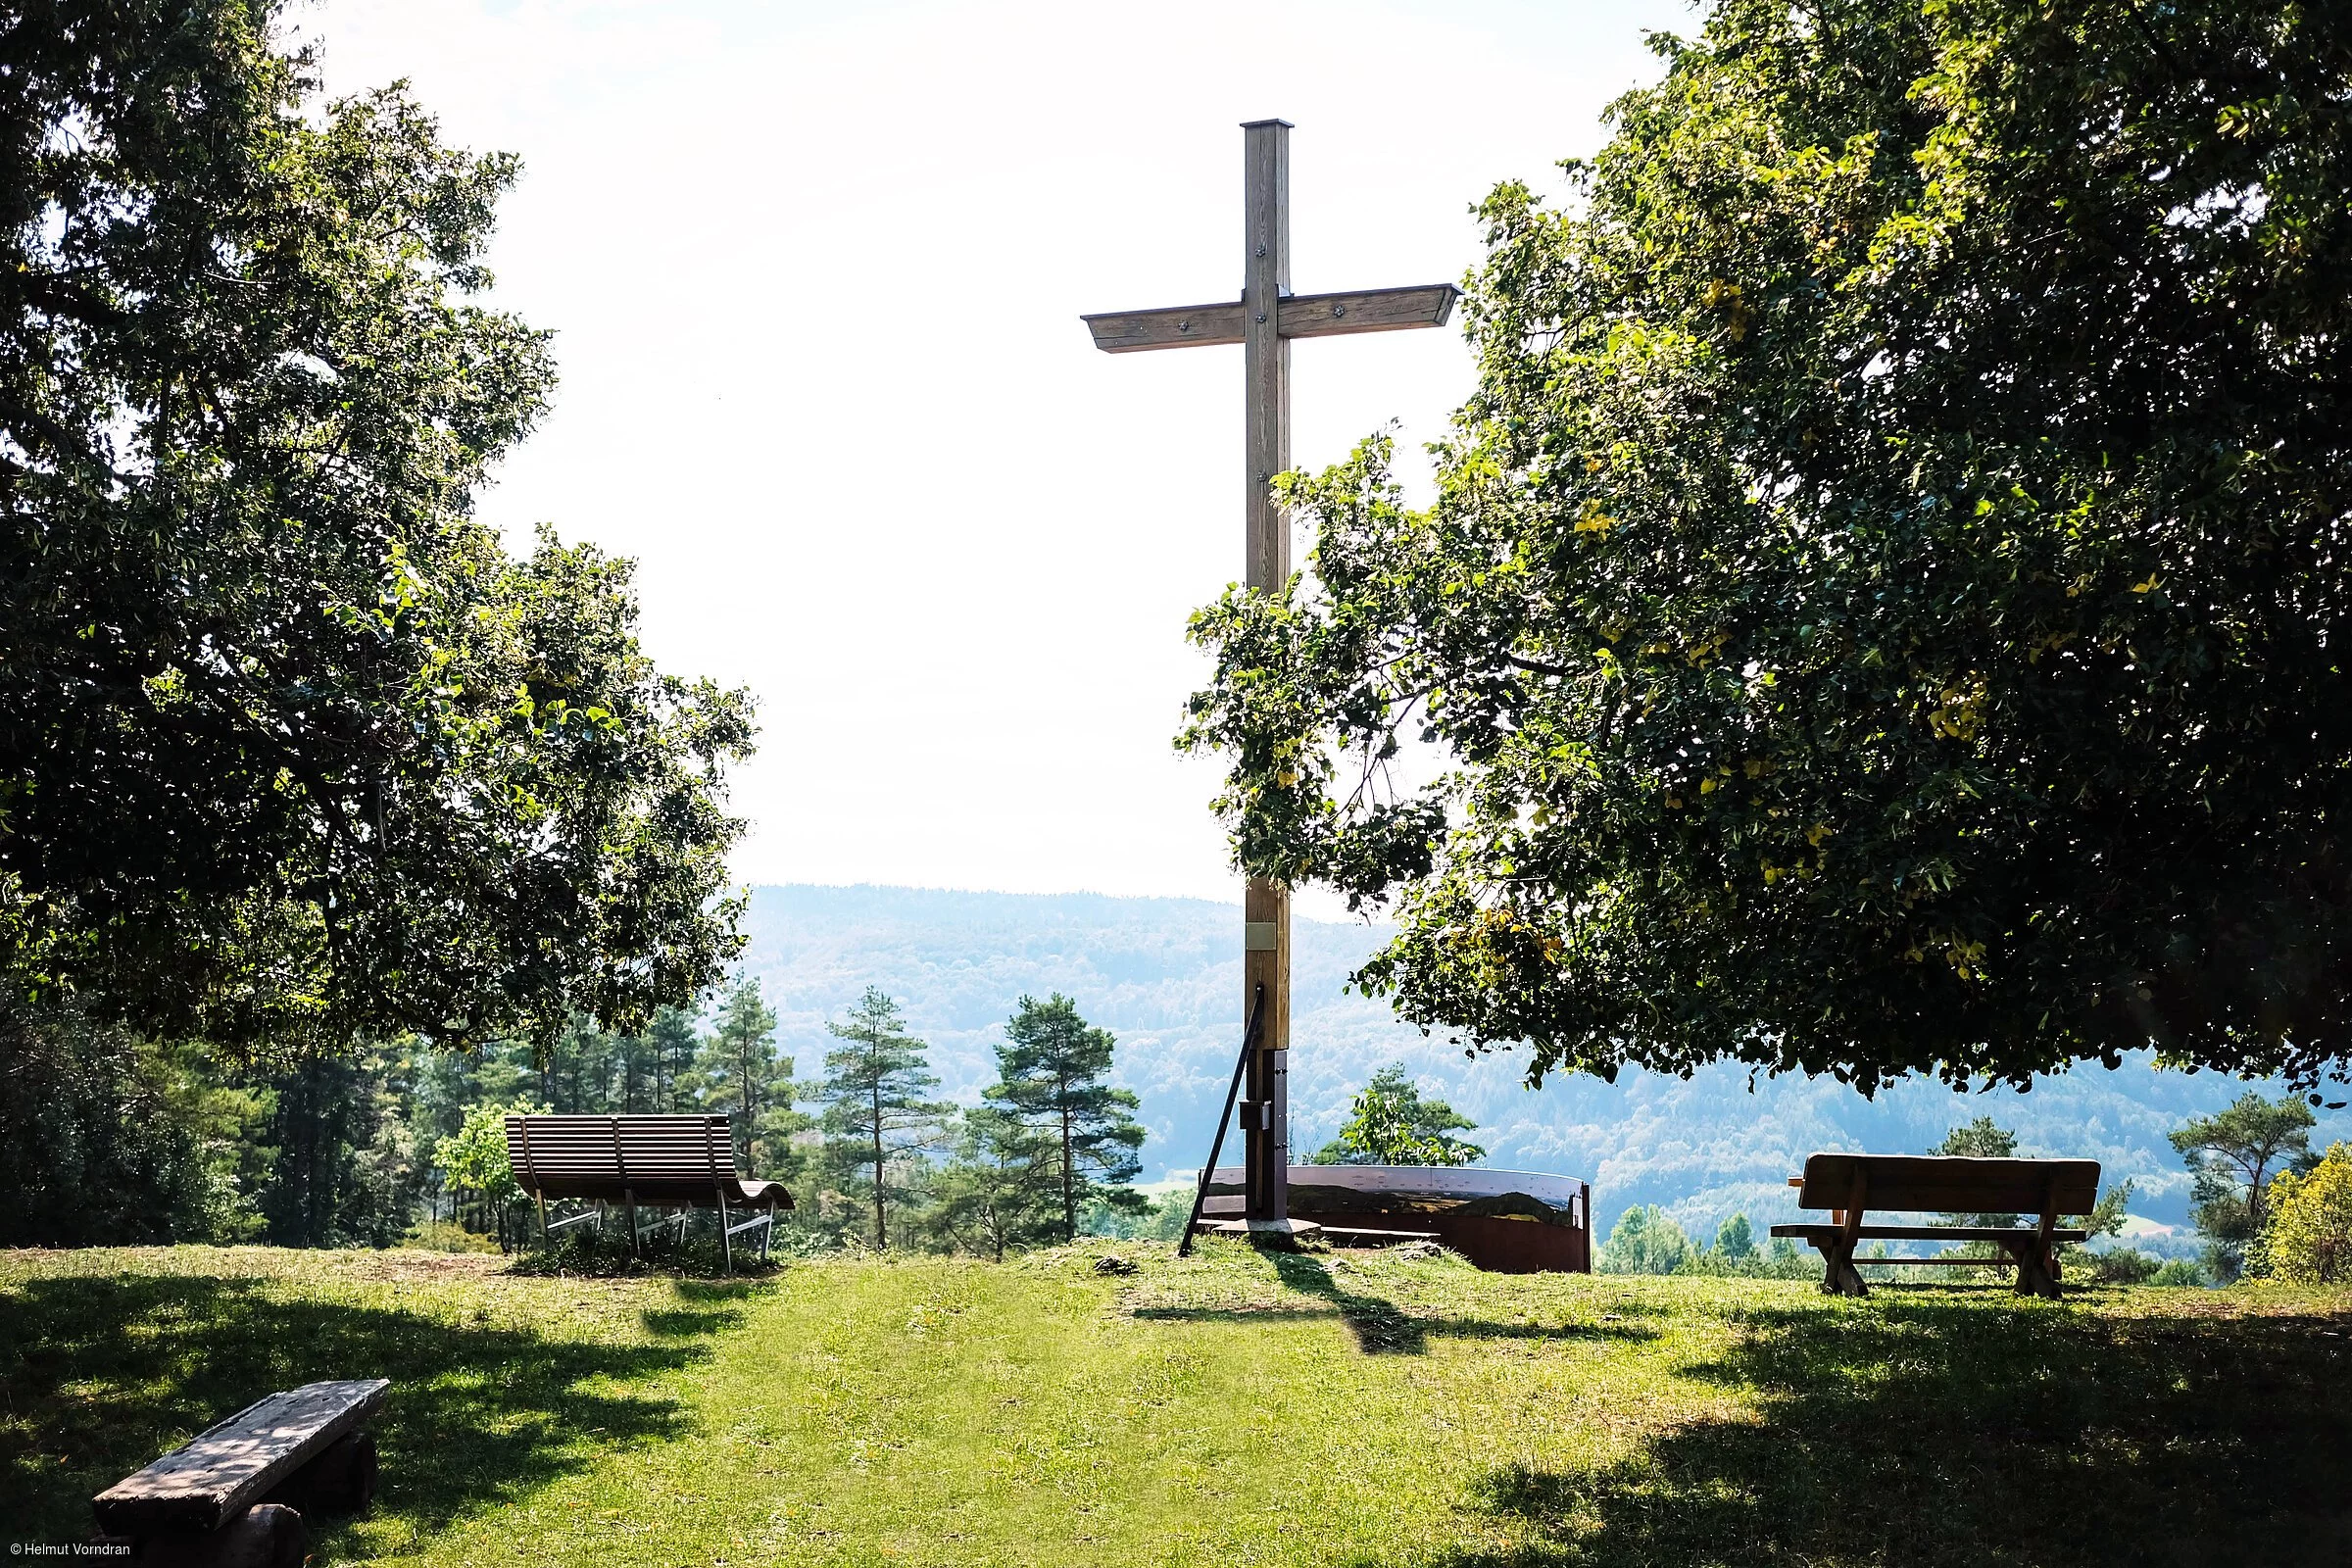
x,y
2234,1154
670,1043
872,1092
1981,1139
1053,1067
742,1074
1000,1189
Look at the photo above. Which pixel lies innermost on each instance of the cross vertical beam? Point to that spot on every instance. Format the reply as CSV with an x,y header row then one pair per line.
x,y
1266,543
1263,320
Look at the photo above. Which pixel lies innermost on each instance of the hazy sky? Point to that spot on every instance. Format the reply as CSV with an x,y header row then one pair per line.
x,y
815,276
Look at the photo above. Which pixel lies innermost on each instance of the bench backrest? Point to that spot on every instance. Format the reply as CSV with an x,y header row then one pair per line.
x,y
594,1157
1949,1184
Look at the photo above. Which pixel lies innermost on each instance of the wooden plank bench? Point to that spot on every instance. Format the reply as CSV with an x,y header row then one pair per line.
x,y
300,1449
684,1162
1851,1185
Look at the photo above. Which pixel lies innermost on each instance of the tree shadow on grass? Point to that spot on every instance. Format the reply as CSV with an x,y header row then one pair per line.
x,y
1380,1326
102,1376
1949,1430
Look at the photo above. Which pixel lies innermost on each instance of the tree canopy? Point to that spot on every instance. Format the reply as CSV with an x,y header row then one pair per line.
x,y
1880,611
292,748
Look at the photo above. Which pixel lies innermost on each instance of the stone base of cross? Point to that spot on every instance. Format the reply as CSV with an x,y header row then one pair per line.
x,y
1264,320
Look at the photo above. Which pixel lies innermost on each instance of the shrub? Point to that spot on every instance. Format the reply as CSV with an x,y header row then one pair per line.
x,y
2122,1265
445,1236
2306,1237
2180,1273
598,1254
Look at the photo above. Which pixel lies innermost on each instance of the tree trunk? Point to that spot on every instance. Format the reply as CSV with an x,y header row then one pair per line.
x,y
881,1232
1069,1176
749,1105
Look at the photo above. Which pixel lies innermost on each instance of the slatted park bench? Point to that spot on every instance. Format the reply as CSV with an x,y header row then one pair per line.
x,y
1850,1185
656,1162
234,1495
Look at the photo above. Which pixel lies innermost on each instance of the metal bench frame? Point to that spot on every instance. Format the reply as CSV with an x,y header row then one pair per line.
x,y
676,1142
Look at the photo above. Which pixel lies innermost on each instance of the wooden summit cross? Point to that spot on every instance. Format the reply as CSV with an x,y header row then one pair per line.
x,y
1263,320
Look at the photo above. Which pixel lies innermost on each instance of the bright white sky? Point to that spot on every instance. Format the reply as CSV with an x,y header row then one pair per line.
x,y
815,275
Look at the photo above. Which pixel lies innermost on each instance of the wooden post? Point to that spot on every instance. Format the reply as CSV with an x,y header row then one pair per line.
x,y
1266,543
1263,320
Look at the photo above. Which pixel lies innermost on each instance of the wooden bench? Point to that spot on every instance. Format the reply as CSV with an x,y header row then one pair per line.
x,y
681,1162
1851,1185
236,1493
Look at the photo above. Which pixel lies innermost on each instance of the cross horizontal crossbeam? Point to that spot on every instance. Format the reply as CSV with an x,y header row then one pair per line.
x,y
1370,310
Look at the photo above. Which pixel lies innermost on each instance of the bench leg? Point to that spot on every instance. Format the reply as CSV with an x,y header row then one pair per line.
x,y
1839,1277
726,1244
630,1194
267,1535
2036,1270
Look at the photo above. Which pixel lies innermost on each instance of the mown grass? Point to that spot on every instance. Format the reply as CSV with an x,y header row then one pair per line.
x,y
1233,1409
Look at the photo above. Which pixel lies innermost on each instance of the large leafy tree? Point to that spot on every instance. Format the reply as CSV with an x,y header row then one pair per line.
x,y
1054,1072
1881,610
292,748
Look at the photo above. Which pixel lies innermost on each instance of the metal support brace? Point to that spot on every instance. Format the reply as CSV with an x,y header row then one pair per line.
x,y
1216,1145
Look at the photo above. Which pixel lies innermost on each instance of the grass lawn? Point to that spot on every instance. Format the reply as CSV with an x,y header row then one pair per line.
x,y
1234,1409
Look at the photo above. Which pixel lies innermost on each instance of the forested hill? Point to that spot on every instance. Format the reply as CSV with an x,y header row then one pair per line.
x,y
1164,974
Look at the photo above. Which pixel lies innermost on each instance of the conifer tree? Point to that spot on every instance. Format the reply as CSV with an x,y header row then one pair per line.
x,y
1001,1189
2234,1154
670,1043
872,1094
742,1074
1053,1065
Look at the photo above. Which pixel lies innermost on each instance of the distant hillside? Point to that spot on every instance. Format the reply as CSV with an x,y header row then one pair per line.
x,y
1164,974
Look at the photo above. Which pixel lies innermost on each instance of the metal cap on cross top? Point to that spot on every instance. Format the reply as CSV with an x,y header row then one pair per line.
x,y
1264,320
